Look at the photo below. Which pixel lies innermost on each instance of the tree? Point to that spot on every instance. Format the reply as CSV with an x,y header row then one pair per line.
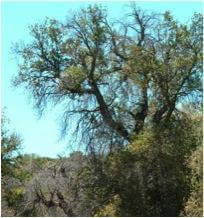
x,y
12,191
115,78
10,148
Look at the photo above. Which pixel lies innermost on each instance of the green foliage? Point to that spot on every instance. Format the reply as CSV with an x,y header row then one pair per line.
x,y
10,148
194,205
74,77
111,209
150,176
15,196
11,172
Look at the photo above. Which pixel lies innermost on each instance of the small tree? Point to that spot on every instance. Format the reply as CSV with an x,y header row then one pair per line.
x,y
10,148
12,191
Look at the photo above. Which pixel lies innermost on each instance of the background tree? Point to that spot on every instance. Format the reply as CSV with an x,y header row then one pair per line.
x,y
12,192
56,189
10,148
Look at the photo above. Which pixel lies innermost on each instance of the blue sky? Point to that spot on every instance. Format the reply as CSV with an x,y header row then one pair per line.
x,y
41,136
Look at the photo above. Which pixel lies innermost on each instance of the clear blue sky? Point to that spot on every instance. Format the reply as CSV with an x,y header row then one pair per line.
x,y
41,135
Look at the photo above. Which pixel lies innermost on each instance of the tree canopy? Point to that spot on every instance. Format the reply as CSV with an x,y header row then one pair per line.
x,y
113,77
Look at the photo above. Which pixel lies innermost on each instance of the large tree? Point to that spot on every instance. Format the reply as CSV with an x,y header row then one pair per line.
x,y
113,77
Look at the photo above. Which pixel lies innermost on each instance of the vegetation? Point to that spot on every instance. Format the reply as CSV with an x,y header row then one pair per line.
x,y
134,88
